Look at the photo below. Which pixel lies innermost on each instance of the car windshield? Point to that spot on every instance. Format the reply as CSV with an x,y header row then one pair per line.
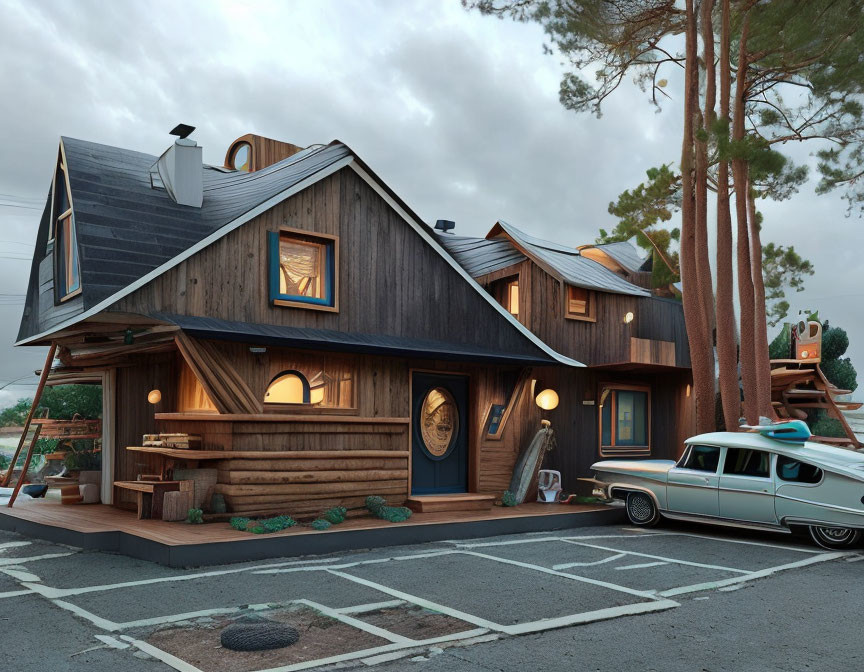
x,y
702,458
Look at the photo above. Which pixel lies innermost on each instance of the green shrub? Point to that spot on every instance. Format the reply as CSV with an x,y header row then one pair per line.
x,y
195,517
335,515
508,499
826,426
263,526
377,506
320,524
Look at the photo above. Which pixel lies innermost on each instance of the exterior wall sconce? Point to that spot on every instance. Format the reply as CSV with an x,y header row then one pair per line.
x,y
154,397
628,318
688,389
547,400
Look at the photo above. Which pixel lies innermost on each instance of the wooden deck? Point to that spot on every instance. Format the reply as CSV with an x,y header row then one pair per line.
x,y
102,527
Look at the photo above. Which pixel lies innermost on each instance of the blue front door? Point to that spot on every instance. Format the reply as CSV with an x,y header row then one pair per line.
x,y
439,433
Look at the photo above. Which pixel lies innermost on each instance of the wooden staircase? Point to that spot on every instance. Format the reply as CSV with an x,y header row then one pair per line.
x,y
469,501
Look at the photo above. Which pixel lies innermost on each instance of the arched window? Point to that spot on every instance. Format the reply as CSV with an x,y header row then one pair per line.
x,y
289,387
241,157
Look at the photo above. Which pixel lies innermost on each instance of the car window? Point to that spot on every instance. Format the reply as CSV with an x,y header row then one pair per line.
x,y
747,462
703,458
797,472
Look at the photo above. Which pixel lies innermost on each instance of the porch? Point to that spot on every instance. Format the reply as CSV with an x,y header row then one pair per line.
x,y
108,528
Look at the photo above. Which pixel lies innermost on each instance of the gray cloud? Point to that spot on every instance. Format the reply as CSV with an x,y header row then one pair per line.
x,y
457,112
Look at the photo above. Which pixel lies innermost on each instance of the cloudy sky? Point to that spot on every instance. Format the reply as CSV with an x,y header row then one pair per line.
x,y
459,113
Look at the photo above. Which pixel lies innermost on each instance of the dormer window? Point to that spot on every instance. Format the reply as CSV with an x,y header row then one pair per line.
x,y
303,270
67,269
241,157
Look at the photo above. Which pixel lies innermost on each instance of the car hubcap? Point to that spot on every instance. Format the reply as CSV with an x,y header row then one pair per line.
x,y
835,534
640,508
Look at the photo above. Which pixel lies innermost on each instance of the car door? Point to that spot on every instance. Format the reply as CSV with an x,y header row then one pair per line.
x,y
746,487
692,483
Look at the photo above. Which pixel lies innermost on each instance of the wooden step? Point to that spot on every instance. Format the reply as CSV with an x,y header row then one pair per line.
x,y
470,501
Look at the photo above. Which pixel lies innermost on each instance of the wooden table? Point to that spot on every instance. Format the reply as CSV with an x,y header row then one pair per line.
x,y
151,494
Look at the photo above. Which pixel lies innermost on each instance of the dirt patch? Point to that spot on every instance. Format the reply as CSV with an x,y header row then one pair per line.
x,y
320,637
415,622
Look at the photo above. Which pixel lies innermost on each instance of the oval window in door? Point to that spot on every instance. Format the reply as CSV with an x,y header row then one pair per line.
x,y
439,422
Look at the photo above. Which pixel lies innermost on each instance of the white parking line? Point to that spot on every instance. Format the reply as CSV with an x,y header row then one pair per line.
x,y
711,585
659,557
6,562
644,565
611,558
13,544
20,574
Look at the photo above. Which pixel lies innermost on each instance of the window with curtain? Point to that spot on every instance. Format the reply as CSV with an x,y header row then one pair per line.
x,y
303,270
319,382
625,426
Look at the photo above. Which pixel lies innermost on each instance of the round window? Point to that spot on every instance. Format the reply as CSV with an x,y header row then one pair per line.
x,y
241,156
439,422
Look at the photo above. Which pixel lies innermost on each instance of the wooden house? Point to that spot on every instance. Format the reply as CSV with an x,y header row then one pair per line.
x,y
633,399
323,341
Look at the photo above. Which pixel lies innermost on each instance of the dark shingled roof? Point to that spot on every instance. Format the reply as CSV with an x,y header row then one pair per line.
x,y
328,339
479,256
126,228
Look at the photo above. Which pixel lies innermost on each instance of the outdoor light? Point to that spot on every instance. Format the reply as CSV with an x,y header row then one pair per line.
x,y
688,389
547,400
154,397
628,318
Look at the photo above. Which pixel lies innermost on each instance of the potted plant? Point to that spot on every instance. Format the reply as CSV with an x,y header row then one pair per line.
x,y
83,462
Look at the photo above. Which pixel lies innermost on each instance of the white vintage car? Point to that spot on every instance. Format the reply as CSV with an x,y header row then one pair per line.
x,y
748,479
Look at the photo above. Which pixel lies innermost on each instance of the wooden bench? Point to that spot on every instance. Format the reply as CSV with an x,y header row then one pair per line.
x,y
151,494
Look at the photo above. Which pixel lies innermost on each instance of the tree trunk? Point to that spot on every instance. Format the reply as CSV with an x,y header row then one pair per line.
x,y
703,257
727,350
745,276
760,331
703,376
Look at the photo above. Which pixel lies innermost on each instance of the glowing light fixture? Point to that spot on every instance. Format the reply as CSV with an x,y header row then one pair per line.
x,y
154,396
628,318
547,399
688,390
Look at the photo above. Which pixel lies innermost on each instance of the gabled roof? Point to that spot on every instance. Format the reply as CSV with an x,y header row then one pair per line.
x,y
565,262
130,232
625,253
479,256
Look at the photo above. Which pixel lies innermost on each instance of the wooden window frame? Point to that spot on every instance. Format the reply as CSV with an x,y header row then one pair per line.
x,y
233,153
591,315
622,451
54,223
330,304
515,397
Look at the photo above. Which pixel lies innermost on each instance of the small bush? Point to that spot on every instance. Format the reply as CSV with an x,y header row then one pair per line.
x,y
377,506
240,523
335,515
830,427
320,524
195,517
508,499
264,526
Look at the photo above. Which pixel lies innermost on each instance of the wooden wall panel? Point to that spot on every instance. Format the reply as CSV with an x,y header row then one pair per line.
x,y
135,416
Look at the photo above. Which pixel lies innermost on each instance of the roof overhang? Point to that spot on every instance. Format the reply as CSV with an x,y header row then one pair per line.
x,y
340,341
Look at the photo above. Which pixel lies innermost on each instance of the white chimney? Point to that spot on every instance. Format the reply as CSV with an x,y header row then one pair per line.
x,y
181,169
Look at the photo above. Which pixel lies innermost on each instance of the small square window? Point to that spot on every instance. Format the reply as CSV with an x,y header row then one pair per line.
x,y
303,270
580,303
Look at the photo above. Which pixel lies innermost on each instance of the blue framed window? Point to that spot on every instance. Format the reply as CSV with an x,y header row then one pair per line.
x,y
625,425
303,269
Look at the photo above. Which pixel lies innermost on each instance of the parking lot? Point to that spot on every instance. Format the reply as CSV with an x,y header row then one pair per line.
x,y
434,606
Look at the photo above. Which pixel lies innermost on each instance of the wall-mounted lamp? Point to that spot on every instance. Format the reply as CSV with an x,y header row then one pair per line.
x,y
547,400
628,318
688,389
154,396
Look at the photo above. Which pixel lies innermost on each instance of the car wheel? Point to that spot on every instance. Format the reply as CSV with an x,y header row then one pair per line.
x,y
641,509
834,537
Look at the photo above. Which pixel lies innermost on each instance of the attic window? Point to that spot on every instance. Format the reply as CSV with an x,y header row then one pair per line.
x,y
67,271
241,157
580,304
303,269
289,387
506,292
